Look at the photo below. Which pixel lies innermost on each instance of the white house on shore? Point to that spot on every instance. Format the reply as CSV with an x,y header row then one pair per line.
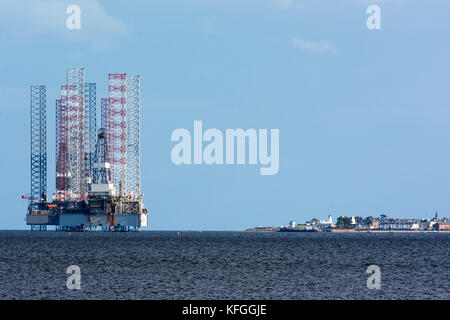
x,y
399,224
325,224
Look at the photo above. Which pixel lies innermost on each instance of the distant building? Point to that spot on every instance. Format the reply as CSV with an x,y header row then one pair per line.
x,y
426,224
375,224
435,217
442,225
326,224
399,224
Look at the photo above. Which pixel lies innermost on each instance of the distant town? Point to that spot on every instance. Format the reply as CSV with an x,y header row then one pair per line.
x,y
355,223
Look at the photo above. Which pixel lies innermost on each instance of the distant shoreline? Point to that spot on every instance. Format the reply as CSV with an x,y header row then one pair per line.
x,y
389,231
254,230
346,231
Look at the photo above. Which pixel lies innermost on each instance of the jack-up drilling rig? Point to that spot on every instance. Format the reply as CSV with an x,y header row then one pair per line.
x,y
97,171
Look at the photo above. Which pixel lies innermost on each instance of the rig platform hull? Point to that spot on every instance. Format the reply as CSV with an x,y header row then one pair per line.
x,y
110,214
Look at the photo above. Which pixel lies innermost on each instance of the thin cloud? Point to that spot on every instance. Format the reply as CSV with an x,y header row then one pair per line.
x,y
284,4
298,4
28,18
289,4
209,26
322,47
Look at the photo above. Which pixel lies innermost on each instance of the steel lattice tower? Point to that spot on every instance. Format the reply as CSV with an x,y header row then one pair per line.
x,y
133,137
104,113
38,144
74,97
116,129
91,126
61,149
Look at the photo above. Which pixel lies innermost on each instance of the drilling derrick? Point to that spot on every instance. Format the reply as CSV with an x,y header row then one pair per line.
x,y
97,172
102,185
102,168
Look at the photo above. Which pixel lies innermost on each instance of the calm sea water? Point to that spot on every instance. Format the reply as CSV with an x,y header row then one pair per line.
x,y
223,265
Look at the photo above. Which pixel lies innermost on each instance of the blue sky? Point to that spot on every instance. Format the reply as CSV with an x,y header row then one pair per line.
x,y
363,115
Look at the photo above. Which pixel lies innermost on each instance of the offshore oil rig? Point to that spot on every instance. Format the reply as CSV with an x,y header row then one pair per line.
x,y
97,170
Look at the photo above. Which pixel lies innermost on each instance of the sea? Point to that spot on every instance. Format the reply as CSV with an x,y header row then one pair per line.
x,y
223,265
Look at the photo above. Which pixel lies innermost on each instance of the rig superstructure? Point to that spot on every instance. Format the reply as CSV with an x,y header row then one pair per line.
x,y
97,171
